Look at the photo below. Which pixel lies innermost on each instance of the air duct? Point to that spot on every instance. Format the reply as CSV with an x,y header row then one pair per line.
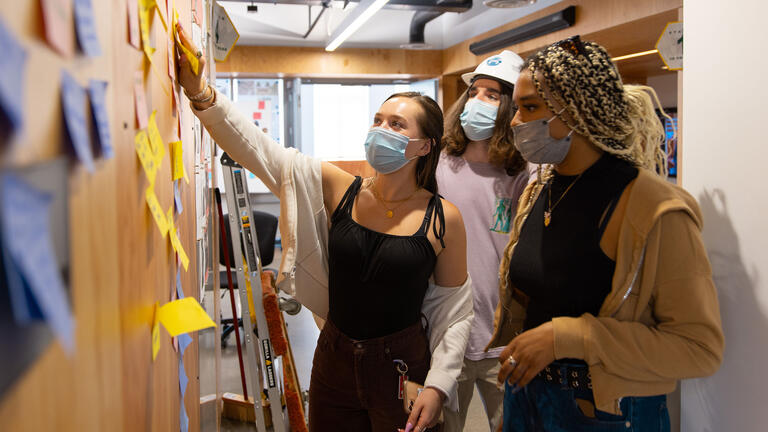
x,y
550,23
422,17
508,4
418,24
418,5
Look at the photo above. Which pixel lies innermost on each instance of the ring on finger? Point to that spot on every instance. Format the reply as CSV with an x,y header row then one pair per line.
x,y
512,362
199,54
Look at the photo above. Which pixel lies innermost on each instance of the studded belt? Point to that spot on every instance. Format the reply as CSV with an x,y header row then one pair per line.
x,y
567,376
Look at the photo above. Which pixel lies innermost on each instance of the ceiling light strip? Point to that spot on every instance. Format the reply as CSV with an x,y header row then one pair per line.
x,y
638,54
353,23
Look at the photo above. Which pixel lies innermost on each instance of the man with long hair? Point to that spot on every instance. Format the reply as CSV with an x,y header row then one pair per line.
x,y
481,172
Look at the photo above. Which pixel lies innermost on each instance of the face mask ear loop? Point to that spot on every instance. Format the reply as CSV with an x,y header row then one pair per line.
x,y
555,116
566,124
418,139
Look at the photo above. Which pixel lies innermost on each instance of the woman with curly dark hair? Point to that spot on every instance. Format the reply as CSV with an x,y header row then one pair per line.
x,y
605,256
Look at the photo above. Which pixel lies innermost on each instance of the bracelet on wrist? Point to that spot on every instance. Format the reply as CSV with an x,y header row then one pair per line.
x,y
204,98
198,97
209,100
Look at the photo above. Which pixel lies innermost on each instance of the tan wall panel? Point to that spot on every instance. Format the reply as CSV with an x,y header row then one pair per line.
x,y
119,263
316,62
591,16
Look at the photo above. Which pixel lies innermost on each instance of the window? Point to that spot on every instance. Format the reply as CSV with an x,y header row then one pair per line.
x,y
335,118
261,101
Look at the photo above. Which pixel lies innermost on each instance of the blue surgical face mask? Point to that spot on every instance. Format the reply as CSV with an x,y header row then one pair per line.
x,y
478,119
536,145
385,150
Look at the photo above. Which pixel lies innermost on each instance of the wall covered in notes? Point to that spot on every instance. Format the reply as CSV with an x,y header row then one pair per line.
x,y
97,150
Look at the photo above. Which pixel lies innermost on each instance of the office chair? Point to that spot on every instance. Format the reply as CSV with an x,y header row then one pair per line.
x,y
266,231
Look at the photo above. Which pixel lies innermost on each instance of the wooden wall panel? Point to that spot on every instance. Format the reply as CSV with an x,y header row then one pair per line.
x,y
119,263
592,16
346,62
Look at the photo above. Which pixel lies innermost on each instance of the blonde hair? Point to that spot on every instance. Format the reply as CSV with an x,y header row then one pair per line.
x,y
618,119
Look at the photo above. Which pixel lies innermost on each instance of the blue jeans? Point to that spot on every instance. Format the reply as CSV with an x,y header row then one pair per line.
x,y
546,407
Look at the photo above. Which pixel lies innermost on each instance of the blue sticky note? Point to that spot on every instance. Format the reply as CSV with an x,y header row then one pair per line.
x,y
12,64
183,380
97,90
24,219
179,290
85,25
183,419
23,304
184,341
73,104
177,196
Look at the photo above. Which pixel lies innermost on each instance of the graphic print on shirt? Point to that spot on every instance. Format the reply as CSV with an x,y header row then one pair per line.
x,y
502,215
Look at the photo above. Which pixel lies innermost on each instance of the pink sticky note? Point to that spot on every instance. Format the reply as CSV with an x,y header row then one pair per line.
x,y
162,8
198,11
261,104
171,60
176,103
141,102
257,115
59,28
133,24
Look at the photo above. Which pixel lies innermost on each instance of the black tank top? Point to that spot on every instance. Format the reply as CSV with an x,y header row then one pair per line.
x,y
561,267
377,281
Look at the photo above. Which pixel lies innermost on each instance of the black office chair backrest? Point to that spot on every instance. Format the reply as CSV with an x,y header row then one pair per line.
x,y
266,230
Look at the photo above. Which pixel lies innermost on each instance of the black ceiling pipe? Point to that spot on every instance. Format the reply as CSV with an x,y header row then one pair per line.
x,y
420,5
422,17
418,22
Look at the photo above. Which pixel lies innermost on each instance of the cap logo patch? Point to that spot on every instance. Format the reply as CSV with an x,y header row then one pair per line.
x,y
493,61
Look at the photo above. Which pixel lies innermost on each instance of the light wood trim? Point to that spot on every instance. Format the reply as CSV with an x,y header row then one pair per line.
x,y
349,62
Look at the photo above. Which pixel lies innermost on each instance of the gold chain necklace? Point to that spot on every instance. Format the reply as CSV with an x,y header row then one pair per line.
x,y
390,211
550,207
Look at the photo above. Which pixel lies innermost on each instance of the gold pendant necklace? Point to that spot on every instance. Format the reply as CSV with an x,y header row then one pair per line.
x,y
390,213
550,207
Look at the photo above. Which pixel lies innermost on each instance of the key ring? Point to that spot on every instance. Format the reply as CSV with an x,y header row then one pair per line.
x,y
402,367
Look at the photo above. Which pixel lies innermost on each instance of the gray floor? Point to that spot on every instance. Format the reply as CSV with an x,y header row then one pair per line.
x,y
303,333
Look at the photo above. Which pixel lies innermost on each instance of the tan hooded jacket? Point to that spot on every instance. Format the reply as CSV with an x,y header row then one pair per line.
x,y
661,321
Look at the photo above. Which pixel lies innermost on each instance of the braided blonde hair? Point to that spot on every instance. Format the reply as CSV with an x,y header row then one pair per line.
x,y
616,118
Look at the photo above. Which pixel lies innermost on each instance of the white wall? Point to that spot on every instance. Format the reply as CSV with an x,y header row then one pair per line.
x,y
725,108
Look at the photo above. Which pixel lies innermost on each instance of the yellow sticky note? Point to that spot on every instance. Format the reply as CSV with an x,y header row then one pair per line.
x,y
144,152
182,254
156,332
184,316
191,57
154,4
157,212
175,241
155,140
174,16
177,161
144,12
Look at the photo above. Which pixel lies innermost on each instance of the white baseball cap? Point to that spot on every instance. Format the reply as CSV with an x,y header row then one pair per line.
x,y
504,66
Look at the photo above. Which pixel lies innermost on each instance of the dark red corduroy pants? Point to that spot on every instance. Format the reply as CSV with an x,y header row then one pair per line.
x,y
354,385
